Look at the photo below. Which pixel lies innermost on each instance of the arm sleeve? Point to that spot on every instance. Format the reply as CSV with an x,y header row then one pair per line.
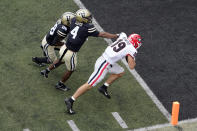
x,y
132,53
62,31
92,31
61,34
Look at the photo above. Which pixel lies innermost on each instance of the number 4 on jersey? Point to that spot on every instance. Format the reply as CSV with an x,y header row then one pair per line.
x,y
74,32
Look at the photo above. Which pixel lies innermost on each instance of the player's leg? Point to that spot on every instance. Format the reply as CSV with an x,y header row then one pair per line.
x,y
80,91
70,60
99,73
56,63
40,60
116,72
49,54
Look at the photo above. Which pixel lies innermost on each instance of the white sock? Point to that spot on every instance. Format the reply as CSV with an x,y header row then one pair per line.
x,y
106,84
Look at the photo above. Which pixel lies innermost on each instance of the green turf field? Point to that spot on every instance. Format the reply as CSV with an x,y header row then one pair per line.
x,y
30,101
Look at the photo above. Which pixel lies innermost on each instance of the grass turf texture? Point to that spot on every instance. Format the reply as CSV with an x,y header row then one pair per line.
x,y
28,100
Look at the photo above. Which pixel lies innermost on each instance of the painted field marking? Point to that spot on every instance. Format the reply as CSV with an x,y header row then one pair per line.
x,y
164,125
149,92
119,120
72,125
26,129
152,127
133,72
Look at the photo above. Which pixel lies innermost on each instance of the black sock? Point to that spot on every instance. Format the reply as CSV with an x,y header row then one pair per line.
x,y
47,70
60,83
104,86
71,100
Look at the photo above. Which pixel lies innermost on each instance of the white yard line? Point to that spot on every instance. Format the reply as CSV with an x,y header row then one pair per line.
x,y
188,121
152,127
119,120
72,125
133,72
164,125
26,129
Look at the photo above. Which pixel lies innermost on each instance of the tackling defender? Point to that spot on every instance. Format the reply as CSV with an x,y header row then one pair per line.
x,y
80,29
54,39
123,47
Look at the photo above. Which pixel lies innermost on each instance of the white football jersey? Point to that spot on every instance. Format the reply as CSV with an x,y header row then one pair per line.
x,y
119,49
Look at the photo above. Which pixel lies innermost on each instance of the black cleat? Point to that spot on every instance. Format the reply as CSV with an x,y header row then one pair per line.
x,y
35,60
69,106
61,86
44,73
103,90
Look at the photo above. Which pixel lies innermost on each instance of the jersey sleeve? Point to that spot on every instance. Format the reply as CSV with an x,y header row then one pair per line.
x,y
62,31
92,31
132,52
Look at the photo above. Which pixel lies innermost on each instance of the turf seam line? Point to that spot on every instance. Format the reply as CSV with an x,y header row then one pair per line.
x,y
133,72
119,120
72,125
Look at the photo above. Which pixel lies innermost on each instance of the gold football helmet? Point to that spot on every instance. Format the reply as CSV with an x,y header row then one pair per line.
x,y
67,17
84,16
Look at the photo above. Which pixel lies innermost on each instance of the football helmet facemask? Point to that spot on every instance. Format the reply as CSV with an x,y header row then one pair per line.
x,y
66,18
84,16
135,39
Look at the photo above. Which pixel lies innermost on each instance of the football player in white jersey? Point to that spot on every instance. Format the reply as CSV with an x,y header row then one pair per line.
x,y
122,48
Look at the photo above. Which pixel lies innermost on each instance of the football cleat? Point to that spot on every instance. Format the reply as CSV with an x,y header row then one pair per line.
x,y
135,39
103,90
84,16
69,106
61,86
35,60
45,73
66,18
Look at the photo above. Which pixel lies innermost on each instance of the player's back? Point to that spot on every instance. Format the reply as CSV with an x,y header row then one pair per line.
x,y
58,30
119,49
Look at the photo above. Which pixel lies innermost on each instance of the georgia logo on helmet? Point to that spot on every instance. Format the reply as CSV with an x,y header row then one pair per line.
x,y
84,16
135,39
66,18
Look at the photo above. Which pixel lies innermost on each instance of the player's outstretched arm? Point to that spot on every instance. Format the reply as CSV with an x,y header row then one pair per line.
x,y
131,62
107,35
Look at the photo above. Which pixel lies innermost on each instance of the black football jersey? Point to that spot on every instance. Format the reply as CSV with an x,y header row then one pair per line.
x,y
57,33
79,33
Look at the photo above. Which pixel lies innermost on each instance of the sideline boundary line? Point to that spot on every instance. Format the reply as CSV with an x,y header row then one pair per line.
x,y
133,72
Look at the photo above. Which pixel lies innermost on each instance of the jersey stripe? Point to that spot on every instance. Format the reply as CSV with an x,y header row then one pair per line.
x,y
100,74
91,31
61,33
72,63
92,28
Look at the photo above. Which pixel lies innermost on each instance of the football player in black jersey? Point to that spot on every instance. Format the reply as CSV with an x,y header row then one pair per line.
x,y
81,27
54,39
